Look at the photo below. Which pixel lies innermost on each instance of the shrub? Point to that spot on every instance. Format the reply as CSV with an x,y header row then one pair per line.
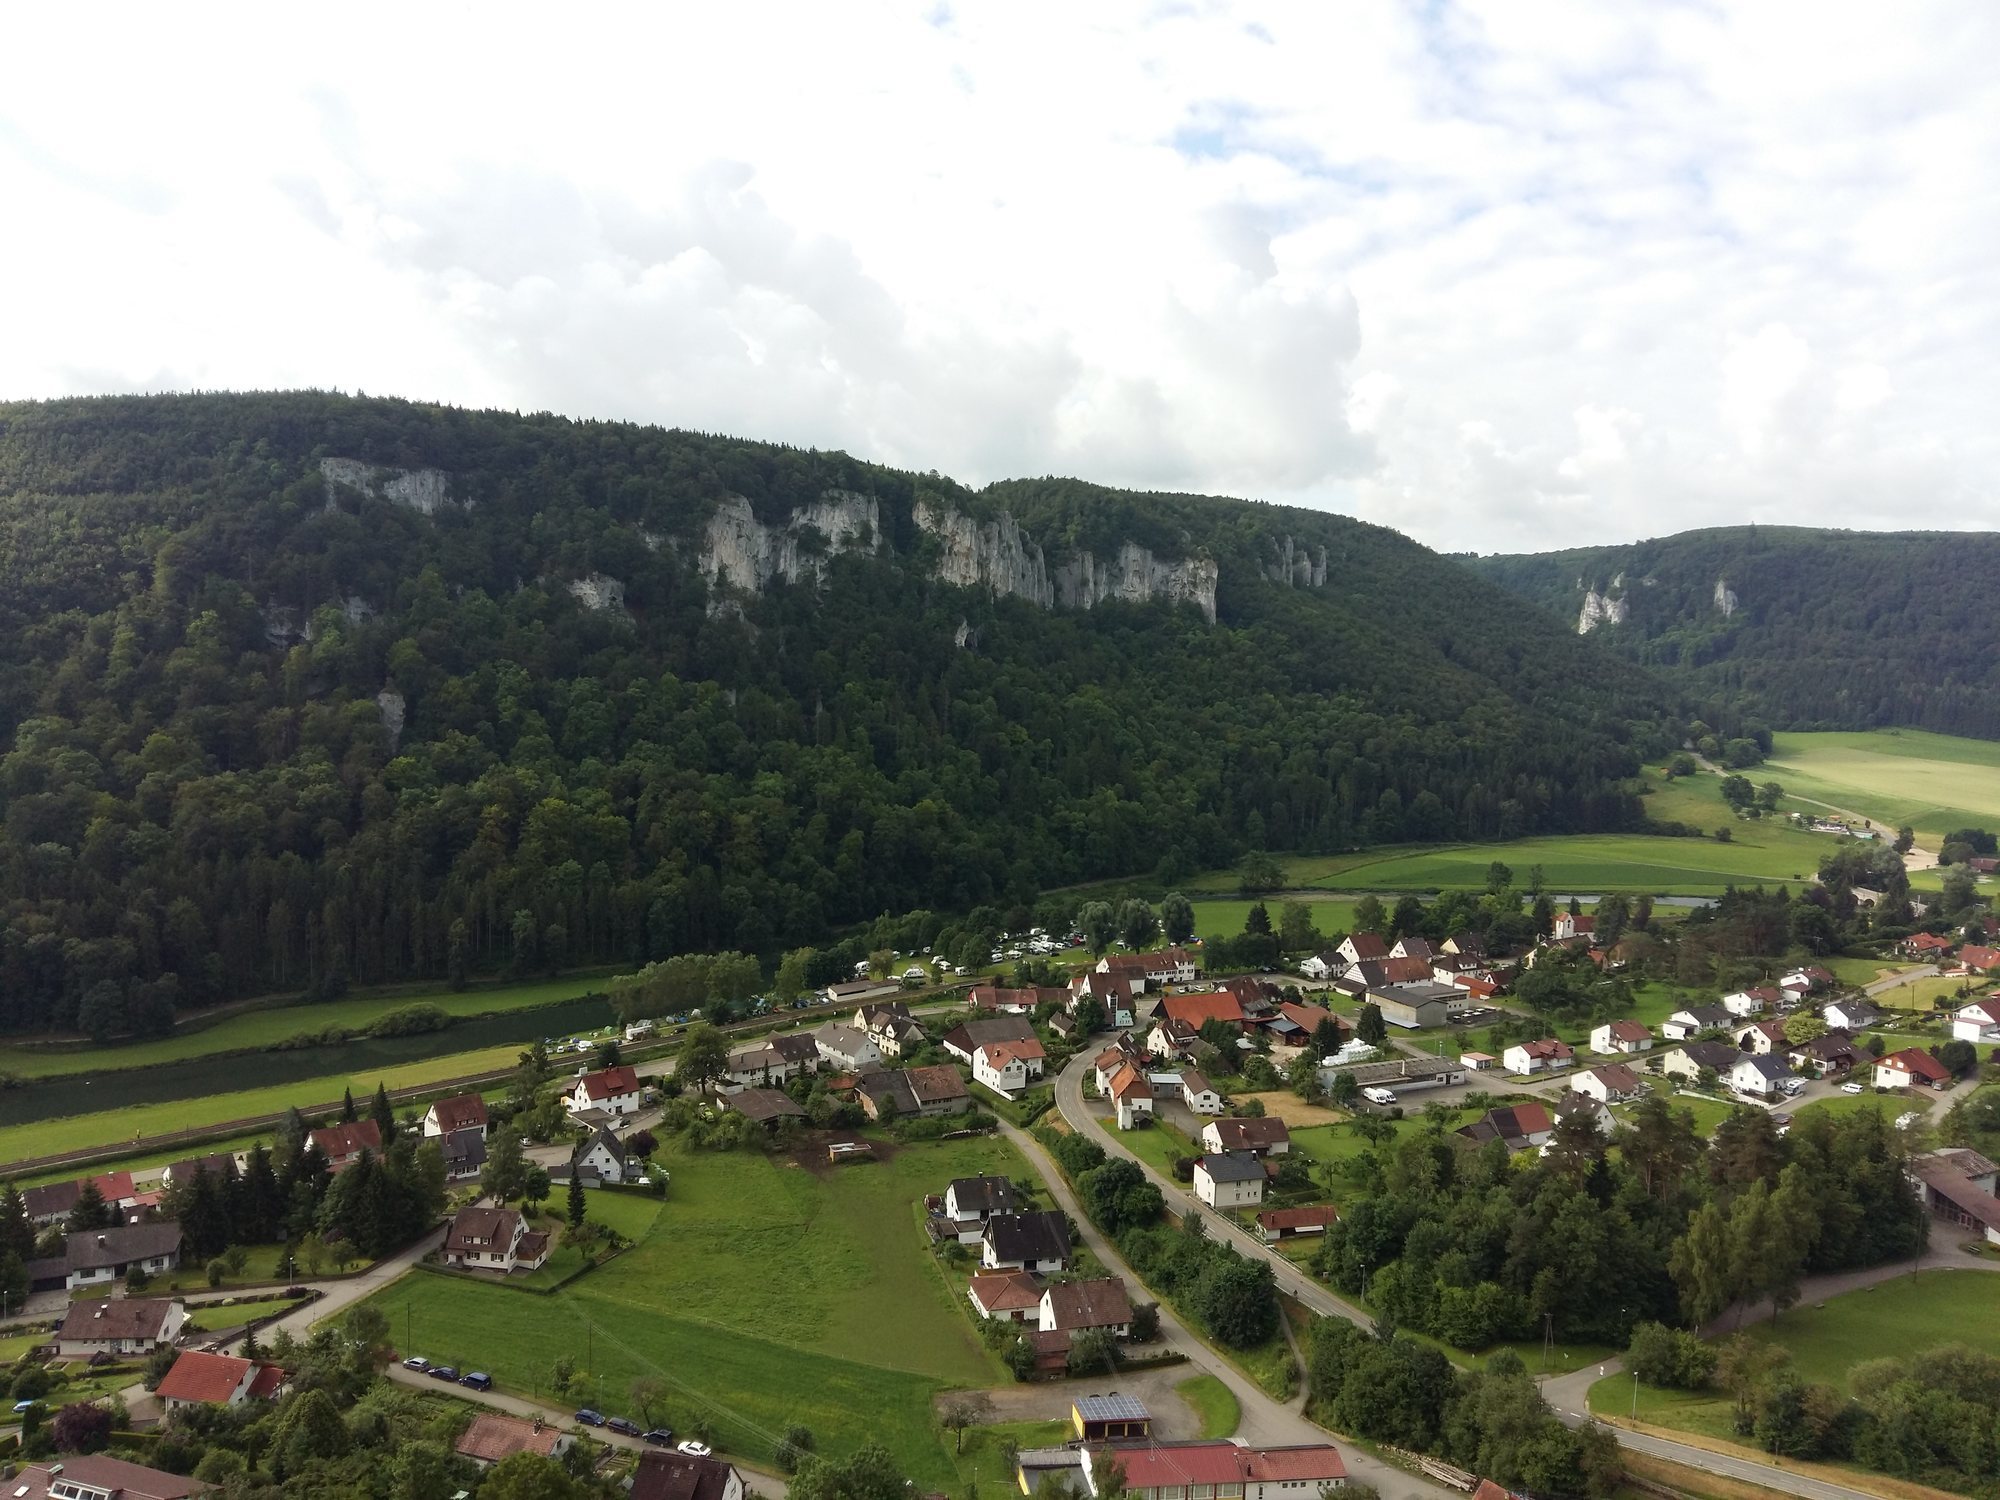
x,y
1670,1358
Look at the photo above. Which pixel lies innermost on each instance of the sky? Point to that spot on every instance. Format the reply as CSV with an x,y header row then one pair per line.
x,y
1506,276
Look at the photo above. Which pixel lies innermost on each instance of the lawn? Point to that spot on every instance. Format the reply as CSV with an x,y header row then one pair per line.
x,y
1157,1145
1331,914
1213,1402
109,1127
630,1214
1339,1143
1890,1107
765,1294
251,1030
1904,1316
1708,1113
1921,995
1932,782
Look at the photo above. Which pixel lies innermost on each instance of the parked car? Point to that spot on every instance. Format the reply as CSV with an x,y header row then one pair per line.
x,y
417,1362
659,1437
624,1425
1850,1088
588,1417
23,1406
443,1372
693,1449
479,1380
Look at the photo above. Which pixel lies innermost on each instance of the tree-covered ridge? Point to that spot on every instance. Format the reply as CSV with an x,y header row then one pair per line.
x,y
204,795
1824,629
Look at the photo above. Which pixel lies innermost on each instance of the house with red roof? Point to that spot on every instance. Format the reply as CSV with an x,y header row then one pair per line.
x,y
1622,1037
616,1091
75,1476
1909,1069
199,1378
1926,945
1222,1469
1977,1022
1547,1055
460,1112
1976,958
495,1435
343,1144
1290,1223
1518,1126
1006,1296
1008,1067
1131,1096
1361,948
1195,1011
1568,927
1609,1084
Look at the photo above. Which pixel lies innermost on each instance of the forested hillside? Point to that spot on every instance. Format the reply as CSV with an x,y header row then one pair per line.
x,y
494,695
1807,629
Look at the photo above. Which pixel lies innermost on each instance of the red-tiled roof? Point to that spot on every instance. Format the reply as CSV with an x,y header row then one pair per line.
x,y
1129,1083
1173,1466
212,1378
494,1436
461,1112
608,1083
1367,945
1006,1291
338,1142
1193,1010
1917,1063
1629,1031
1322,1215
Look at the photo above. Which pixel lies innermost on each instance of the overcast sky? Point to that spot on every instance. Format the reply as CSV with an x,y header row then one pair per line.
x,y
1506,276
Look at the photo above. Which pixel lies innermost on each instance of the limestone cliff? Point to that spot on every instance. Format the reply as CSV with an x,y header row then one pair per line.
x,y
1293,563
425,491
744,553
1725,598
998,555
1600,609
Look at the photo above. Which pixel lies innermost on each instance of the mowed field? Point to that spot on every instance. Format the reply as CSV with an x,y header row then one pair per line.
x,y
251,1030
766,1293
1932,782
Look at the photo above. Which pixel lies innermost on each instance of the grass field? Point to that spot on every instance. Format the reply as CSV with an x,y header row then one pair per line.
x,y
1213,1402
1932,782
253,1029
1157,1145
214,1319
109,1127
765,1294
1331,914
1903,1316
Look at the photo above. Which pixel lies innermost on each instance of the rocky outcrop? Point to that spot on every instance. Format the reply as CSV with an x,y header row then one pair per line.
x,y
1600,609
282,624
596,591
390,702
426,491
1301,567
740,551
998,555
1725,598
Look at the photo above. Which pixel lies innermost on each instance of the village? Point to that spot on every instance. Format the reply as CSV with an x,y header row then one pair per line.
x,y
1237,1099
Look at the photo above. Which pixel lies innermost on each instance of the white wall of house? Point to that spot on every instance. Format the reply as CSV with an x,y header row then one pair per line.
x,y
1203,1101
1227,1195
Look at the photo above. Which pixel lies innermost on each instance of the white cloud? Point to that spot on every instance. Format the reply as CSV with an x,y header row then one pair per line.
x,y
1502,274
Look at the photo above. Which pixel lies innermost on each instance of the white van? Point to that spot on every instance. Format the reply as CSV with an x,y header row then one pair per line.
x,y
1379,1096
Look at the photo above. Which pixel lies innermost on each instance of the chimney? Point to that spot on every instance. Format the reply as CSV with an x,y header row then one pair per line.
x,y
100,1239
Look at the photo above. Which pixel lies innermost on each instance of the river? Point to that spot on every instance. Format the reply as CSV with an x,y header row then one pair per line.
x,y
198,1077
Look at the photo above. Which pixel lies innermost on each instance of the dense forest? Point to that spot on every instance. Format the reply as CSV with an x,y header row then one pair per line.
x,y
262,731
1808,629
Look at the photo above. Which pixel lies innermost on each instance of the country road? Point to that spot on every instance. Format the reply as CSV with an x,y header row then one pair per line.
x,y
1563,1392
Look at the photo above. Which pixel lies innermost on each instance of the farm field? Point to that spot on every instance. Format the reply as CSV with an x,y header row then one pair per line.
x,y
109,1127
722,1301
1828,1340
1932,782
1331,914
252,1029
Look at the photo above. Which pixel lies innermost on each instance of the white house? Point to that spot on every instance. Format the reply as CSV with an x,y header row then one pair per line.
x,y
119,1326
1006,1296
1977,1022
970,1202
1851,1015
771,1061
1315,967
199,1378
848,1048
1911,1068
1229,1181
1362,947
449,1116
1550,1054
1131,1096
1199,1094
1098,1305
601,1155
1761,1037
1001,1067
1037,1242
1759,1074
1622,1037
616,1091
1746,1003
1608,1084
494,1239
1226,1468
1685,1025
1267,1136
94,1257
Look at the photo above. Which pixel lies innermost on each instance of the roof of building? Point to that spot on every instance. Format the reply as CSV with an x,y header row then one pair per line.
x,y
609,1083
1704,1016
679,1476
1616,1077
481,1229
999,1054
1306,1216
1231,1166
1194,1081
1247,1134
213,1378
1917,1063
1629,1031
969,1036
1716,1055
1515,1122
1406,970
495,1435
1006,1291
1178,1466
1769,1064
1112,1408
1039,1235
1098,1303
1366,945
97,1249
982,1195
348,1138
1129,1083
51,1198
464,1148
764,1105
937,1083
1984,1012
1548,1046
1962,1160
460,1112
220,1165
1198,1010
97,1471
115,1318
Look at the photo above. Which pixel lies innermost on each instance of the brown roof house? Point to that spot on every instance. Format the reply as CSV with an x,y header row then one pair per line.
x,y
935,1090
460,1112
1520,1126
1268,1136
1075,1307
494,1435
1006,1296
343,1144
199,1378
98,1476
494,1239
682,1476
123,1325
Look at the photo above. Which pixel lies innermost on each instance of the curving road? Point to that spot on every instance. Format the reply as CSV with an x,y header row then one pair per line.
x,y
1565,1394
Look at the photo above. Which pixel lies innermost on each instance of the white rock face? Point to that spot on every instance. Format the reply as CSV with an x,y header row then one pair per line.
x,y
1301,567
597,591
1598,609
391,703
999,556
356,609
426,491
741,551
1725,598
281,624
